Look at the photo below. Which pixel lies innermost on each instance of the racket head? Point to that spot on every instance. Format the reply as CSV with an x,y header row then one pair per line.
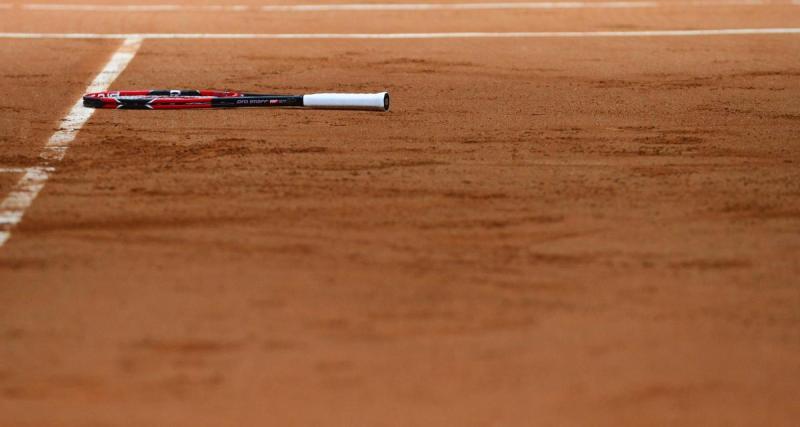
x,y
156,99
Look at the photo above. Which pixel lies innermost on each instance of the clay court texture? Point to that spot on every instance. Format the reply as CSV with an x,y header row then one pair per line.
x,y
574,214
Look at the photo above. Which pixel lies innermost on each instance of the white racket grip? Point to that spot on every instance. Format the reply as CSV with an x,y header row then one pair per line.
x,y
348,101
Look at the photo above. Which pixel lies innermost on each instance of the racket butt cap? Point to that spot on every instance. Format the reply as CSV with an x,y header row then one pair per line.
x,y
348,101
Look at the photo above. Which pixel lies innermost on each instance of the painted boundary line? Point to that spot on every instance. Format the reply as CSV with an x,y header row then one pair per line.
x,y
13,207
344,7
64,7
24,192
466,35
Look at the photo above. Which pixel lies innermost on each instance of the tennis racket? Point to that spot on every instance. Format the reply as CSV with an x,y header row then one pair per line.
x,y
183,99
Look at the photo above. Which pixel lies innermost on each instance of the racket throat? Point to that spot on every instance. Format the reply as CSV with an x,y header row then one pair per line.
x,y
136,104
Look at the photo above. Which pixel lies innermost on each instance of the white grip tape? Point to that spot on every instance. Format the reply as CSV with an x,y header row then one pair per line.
x,y
348,101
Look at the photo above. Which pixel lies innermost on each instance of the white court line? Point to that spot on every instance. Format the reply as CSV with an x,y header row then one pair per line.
x,y
133,8
470,35
456,6
499,5
13,170
13,207
62,7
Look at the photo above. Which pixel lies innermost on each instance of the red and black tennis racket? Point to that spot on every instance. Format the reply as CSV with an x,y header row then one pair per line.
x,y
183,99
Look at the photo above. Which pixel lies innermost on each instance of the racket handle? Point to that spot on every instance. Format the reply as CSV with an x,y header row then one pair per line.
x,y
348,101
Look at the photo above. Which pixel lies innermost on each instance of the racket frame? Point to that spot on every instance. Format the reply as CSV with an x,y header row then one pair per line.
x,y
196,99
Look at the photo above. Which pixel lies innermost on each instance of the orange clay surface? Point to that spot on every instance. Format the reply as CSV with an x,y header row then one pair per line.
x,y
576,232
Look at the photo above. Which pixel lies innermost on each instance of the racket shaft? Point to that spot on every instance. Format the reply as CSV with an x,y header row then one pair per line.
x,y
258,101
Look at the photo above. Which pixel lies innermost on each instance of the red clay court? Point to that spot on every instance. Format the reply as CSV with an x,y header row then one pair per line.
x,y
576,213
